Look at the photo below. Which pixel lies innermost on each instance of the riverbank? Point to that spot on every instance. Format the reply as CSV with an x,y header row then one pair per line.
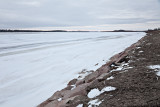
x,y
50,60
130,78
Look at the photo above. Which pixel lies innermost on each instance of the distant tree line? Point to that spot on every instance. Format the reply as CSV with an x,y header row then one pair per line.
x,y
154,29
9,30
123,31
151,30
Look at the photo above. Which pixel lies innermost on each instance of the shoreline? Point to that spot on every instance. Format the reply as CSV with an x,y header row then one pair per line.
x,y
61,61
78,89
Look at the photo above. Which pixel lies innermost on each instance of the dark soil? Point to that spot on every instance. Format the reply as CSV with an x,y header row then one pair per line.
x,y
138,86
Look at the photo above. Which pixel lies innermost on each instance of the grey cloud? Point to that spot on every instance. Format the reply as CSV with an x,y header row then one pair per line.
x,y
128,21
56,13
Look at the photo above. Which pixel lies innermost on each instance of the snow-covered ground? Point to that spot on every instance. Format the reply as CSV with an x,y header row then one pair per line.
x,y
35,65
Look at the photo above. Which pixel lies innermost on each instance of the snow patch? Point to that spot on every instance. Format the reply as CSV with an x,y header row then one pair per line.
x,y
119,68
73,87
109,88
138,47
110,78
140,51
80,105
158,73
123,66
60,99
95,92
95,102
156,68
128,68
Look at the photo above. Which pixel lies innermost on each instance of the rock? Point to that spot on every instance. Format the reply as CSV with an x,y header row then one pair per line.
x,y
72,82
91,77
79,90
79,82
102,77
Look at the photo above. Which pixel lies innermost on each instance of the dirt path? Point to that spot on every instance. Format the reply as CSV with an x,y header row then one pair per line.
x,y
130,78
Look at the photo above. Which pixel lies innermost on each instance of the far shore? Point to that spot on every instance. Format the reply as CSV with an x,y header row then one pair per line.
x,y
9,30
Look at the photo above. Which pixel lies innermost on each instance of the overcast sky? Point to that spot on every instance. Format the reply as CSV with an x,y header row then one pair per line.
x,y
79,14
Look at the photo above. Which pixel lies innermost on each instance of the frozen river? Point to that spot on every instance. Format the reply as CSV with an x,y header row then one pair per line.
x,y
35,65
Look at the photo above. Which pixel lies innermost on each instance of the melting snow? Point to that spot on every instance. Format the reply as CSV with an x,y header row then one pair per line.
x,y
94,103
119,68
73,87
140,51
156,68
80,105
158,73
128,68
109,88
110,78
59,99
123,66
138,47
95,92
